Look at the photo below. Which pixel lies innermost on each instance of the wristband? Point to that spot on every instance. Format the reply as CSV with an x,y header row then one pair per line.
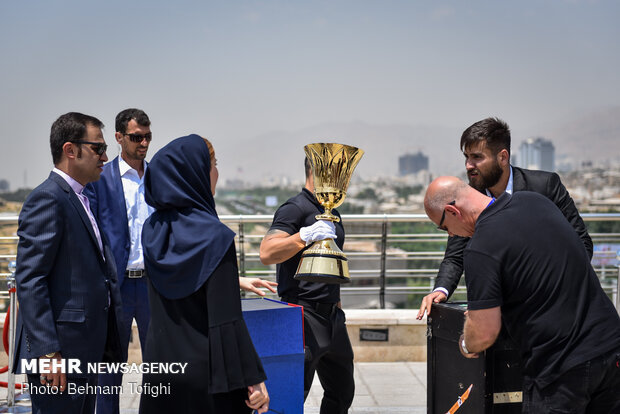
x,y
463,347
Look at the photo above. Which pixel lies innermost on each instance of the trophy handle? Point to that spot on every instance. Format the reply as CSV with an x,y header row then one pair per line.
x,y
327,215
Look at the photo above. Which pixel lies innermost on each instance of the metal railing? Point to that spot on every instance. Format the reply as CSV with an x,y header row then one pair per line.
x,y
393,258
398,276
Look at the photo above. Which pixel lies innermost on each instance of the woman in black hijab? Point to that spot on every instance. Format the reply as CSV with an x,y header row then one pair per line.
x,y
194,299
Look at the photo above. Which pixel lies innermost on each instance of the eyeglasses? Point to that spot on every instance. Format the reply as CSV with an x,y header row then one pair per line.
x,y
98,147
443,216
137,138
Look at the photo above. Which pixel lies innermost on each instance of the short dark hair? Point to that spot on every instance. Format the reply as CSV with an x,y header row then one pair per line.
x,y
493,131
69,127
123,118
307,167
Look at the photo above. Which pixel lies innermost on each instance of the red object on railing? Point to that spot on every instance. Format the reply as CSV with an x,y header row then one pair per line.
x,y
5,384
5,340
5,332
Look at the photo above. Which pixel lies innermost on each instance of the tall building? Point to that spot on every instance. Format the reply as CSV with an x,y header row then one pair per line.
x,y
412,163
537,154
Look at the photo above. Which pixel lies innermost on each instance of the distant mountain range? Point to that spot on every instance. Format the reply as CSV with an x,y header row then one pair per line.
x,y
594,136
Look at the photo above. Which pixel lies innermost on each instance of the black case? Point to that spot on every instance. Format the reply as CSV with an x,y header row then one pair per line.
x,y
495,375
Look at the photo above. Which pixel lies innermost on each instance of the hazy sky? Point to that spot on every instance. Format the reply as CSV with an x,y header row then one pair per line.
x,y
234,70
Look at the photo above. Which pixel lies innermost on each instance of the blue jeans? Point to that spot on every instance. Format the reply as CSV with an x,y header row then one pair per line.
x,y
590,387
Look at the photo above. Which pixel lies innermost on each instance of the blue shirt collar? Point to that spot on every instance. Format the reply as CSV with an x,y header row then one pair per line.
x,y
508,186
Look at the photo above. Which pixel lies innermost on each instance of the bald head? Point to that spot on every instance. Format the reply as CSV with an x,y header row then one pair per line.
x,y
440,192
451,197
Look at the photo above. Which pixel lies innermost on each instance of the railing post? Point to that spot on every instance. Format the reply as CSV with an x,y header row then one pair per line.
x,y
10,399
241,248
382,271
618,291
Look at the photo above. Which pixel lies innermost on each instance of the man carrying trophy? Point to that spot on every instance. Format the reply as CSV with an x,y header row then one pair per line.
x,y
295,226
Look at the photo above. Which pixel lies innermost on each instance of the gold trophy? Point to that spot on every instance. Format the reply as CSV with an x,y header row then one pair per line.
x,y
332,167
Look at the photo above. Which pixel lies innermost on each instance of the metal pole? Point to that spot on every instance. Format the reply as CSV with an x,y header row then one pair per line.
x,y
618,291
12,322
241,248
382,271
10,406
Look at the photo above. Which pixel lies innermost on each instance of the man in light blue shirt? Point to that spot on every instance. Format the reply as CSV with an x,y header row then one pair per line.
x,y
117,200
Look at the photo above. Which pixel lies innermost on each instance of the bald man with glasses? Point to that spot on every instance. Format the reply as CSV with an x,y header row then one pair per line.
x,y
486,147
527,271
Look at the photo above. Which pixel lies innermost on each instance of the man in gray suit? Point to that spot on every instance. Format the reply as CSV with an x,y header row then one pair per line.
x,y
66,278
486,146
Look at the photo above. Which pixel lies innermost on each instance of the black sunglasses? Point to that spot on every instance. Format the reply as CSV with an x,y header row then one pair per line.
x,y
98,147
137,138
443,216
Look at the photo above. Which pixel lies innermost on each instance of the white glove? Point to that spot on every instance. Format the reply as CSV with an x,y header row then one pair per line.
x,y
321,230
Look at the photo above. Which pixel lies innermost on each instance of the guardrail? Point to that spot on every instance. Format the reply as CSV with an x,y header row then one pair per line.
x,y
393,258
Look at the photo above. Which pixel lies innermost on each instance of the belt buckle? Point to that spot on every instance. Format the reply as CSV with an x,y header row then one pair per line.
x,y
135,274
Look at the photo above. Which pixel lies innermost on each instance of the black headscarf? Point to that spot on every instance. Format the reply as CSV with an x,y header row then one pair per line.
x,y
183,240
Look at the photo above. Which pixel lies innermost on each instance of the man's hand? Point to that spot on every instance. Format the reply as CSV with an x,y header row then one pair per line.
x,y
54,378
482,326
252,284
321,230
258,398
427,302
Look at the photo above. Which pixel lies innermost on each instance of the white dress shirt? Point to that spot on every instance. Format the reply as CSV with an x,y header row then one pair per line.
x,y
137,211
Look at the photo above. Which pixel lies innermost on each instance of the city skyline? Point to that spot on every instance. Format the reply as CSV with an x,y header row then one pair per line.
x,y
410,75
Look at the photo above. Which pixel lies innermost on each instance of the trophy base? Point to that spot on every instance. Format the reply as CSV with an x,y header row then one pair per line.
x,y
323,262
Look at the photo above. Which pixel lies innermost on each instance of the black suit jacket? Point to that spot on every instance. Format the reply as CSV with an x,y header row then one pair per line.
x,y
68,294
542,182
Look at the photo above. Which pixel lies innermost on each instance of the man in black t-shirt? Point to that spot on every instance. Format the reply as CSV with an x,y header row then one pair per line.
x,y
327,346
527,268
486,147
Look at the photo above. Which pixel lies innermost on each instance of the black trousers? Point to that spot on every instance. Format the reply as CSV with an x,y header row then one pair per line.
x,y
591,387
329,354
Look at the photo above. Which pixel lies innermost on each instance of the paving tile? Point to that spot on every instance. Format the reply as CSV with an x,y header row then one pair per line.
x,y
364,401
380,388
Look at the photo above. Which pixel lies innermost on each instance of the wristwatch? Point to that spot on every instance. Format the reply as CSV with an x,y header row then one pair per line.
x,y
463,347
50,355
